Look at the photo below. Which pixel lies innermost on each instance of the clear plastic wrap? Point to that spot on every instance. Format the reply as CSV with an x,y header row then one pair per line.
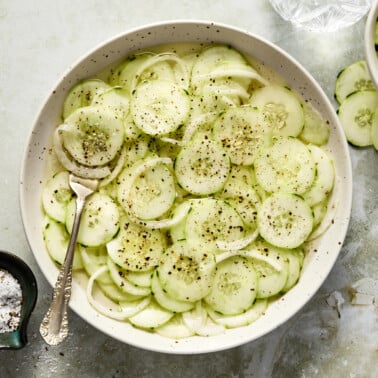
x,y
322,15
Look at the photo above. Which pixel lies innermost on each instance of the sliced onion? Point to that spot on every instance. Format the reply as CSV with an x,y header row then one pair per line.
x,y
71,165
234,72
193,126
126,312
171,141
165,223
237,244
117,169
157,59
152,224
251,254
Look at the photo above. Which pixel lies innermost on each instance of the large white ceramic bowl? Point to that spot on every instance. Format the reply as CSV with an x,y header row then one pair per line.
x,y
319,260
370,52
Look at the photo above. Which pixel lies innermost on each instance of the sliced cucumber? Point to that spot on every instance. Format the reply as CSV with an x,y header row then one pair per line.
x,y
202,166
185,272
136,248
147,189
159,107
116,101
270,280
142,279
93,136
165,300
286,166
234,287
99,221
240,194
56,194
325,177
82,94
294,258
285,220
124,74
219,62
316,130
281,109
240,320
93,259
151,317
175,328
210,221
354,78
56,239
118,276
356,116
242,133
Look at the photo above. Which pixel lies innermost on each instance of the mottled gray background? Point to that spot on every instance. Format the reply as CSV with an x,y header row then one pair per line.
x,y
39,39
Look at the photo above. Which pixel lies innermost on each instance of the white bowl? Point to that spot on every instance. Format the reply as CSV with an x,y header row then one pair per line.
x,y
318,262
370,52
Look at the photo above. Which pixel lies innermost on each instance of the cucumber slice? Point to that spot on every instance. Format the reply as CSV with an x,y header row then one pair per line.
x,y
147,189
294,258
124,74
356,116
56,195
202,166
151,317
116,101
93,136
164,300
219,62
270,280
93,259
159,107
240,194
175,328
285,220
186,273
136,248
286,166
319,210
234,287
325,177
82,94
240,320
354,78
112,291
142,279
118,276
281,109
210,221
316,130
56,239
242,133
99,221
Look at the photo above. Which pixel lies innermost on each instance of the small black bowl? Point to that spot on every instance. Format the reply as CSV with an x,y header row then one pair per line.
x,y
20,270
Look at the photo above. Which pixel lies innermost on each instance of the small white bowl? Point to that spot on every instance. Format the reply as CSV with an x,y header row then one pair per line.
x,y
318,262
370,52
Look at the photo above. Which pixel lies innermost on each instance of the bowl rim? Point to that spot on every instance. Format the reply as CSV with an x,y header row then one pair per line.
x,y
369,34
182,347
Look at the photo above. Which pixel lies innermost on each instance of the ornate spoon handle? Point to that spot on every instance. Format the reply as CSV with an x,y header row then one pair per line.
x,y
54,326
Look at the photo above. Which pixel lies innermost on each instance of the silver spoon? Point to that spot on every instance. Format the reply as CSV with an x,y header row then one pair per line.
x,y
54,326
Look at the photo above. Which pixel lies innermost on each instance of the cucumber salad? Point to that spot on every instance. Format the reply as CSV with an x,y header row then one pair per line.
x,y
213,178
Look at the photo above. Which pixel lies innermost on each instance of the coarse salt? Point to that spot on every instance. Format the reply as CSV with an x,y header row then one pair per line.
x,y
10,302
